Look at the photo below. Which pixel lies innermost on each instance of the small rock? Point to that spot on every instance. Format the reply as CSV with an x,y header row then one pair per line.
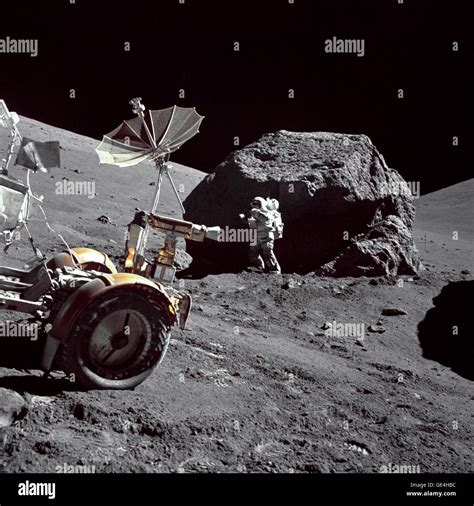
x,y
380,329
12,407
326,326
465,271
79,411
393,311
355,447
104,219
43,447
289,284
182,259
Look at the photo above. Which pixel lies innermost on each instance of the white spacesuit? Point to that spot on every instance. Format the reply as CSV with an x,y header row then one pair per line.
x,y
265,217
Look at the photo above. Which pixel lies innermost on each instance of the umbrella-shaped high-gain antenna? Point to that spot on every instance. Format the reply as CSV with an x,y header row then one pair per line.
x,y
151,135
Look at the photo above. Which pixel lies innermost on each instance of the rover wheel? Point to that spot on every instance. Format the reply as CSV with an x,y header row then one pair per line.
x,y
115,342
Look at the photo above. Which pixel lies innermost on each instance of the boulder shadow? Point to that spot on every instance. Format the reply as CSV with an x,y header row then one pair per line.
x,y
201,268
445,334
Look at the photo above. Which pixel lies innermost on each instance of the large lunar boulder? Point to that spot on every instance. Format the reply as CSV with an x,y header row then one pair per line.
x,y
345,212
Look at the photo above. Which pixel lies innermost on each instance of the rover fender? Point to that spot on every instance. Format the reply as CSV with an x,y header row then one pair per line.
x,y
85,258
93,260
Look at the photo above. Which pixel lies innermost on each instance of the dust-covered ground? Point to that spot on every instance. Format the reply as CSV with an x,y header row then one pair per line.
x,y
256,383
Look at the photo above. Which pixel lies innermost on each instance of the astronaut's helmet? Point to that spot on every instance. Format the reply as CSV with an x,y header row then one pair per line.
x,y
259,202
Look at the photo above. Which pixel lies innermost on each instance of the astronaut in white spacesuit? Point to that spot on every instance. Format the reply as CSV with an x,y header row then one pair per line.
x,y
265,217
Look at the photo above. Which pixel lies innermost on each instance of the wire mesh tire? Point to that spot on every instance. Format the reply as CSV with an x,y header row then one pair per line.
x,y
116,341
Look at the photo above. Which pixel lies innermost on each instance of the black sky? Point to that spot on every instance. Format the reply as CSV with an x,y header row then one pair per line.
x,y
245,93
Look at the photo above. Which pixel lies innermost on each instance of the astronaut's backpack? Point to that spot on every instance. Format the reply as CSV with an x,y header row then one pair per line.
x,y
273,206
277,225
